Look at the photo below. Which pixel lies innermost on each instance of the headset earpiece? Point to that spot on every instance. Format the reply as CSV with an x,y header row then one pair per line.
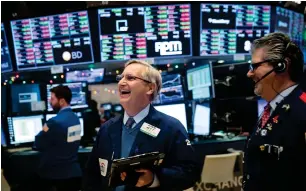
x,y
280,67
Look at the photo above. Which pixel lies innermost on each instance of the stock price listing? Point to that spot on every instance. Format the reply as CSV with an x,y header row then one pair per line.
x,y
142,32
52,40
6,63
290,23
230,29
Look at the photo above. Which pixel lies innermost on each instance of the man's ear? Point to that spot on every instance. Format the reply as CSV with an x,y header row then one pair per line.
x,y
152,87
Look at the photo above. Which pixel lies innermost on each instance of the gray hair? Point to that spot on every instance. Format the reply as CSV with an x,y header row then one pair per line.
x,y
274,45
278,46
151,74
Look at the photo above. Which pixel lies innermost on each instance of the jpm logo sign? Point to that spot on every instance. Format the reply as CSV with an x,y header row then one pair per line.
x,y
168,48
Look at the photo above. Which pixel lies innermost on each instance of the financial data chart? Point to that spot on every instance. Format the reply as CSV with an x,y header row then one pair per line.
x,y
52,40
172,90
6,63
142,32
90,76
230,29
199,81
290,23
78,90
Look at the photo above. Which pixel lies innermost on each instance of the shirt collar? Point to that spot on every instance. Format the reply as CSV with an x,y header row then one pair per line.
x,y
65,108
140,116
281,96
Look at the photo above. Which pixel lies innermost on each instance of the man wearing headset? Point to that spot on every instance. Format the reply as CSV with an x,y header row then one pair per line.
x,y
275,153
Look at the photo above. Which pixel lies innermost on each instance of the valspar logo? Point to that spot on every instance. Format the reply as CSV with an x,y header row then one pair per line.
x,y
168,48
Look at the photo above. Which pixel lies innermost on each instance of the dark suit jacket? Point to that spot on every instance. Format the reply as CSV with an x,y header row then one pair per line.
x,y
59,158
179,170
286,127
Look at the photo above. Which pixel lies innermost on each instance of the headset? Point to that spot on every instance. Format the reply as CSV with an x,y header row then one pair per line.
x,y
280,66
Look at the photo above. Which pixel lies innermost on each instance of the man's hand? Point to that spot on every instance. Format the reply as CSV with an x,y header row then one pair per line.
x,y
146,178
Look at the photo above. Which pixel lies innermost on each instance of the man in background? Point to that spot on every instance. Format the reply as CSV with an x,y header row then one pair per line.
x,y
58,144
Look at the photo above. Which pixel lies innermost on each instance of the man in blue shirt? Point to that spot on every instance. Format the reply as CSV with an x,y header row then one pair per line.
x,y
58,144
128,135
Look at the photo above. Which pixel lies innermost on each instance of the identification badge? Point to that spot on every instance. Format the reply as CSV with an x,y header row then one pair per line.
x,y
150,129
74,133
103,166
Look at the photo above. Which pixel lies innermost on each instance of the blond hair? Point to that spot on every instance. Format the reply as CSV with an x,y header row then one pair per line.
x,y
151,74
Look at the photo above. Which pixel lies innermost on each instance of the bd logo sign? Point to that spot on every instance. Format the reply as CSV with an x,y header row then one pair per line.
x,y
168,48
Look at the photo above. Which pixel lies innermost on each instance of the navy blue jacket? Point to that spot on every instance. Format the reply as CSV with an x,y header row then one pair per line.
x,y
58,155
179,170
286,127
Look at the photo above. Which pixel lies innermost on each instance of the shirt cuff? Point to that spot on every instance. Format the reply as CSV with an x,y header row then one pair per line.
x,y
155,182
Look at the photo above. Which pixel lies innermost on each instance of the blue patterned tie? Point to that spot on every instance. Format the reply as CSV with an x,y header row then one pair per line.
x,y
130,122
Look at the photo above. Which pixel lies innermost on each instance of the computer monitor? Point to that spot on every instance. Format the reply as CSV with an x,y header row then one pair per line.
x,y
78,90
261,103
6,62
201,119
23,95
290,23
4,99
49,116
147,31
62,39
89,76
199,81
177,111
117,108
171,91
24,129
230,29
106,106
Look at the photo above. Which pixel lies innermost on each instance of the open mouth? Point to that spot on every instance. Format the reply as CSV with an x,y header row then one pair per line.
x,y
125,93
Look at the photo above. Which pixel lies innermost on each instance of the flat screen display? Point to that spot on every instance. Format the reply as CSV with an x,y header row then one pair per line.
x,y
201,119
200,82
89,76
230,29
23,96
62,39
177,111
24,129
78,90
6,62
143,32
290,23
171,91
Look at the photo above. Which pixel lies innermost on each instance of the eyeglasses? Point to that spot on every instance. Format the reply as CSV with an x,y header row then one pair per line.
x,y
254,66
130,77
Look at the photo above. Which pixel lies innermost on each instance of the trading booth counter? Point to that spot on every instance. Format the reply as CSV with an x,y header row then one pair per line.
x,y
21,166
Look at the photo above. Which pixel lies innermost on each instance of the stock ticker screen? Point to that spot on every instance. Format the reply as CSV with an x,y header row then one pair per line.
x,y
142,32
230,29
171,91
6,62
52,40
290,23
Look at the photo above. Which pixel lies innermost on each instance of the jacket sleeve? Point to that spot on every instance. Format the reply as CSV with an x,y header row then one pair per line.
x,y
92,177
181,167
44,140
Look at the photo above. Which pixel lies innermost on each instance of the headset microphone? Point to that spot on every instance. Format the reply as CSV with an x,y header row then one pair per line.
x,y
267,74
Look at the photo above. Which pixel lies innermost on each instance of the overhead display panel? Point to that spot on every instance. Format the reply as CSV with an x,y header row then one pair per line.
x,y
6,62
230,29
52,40
143,32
